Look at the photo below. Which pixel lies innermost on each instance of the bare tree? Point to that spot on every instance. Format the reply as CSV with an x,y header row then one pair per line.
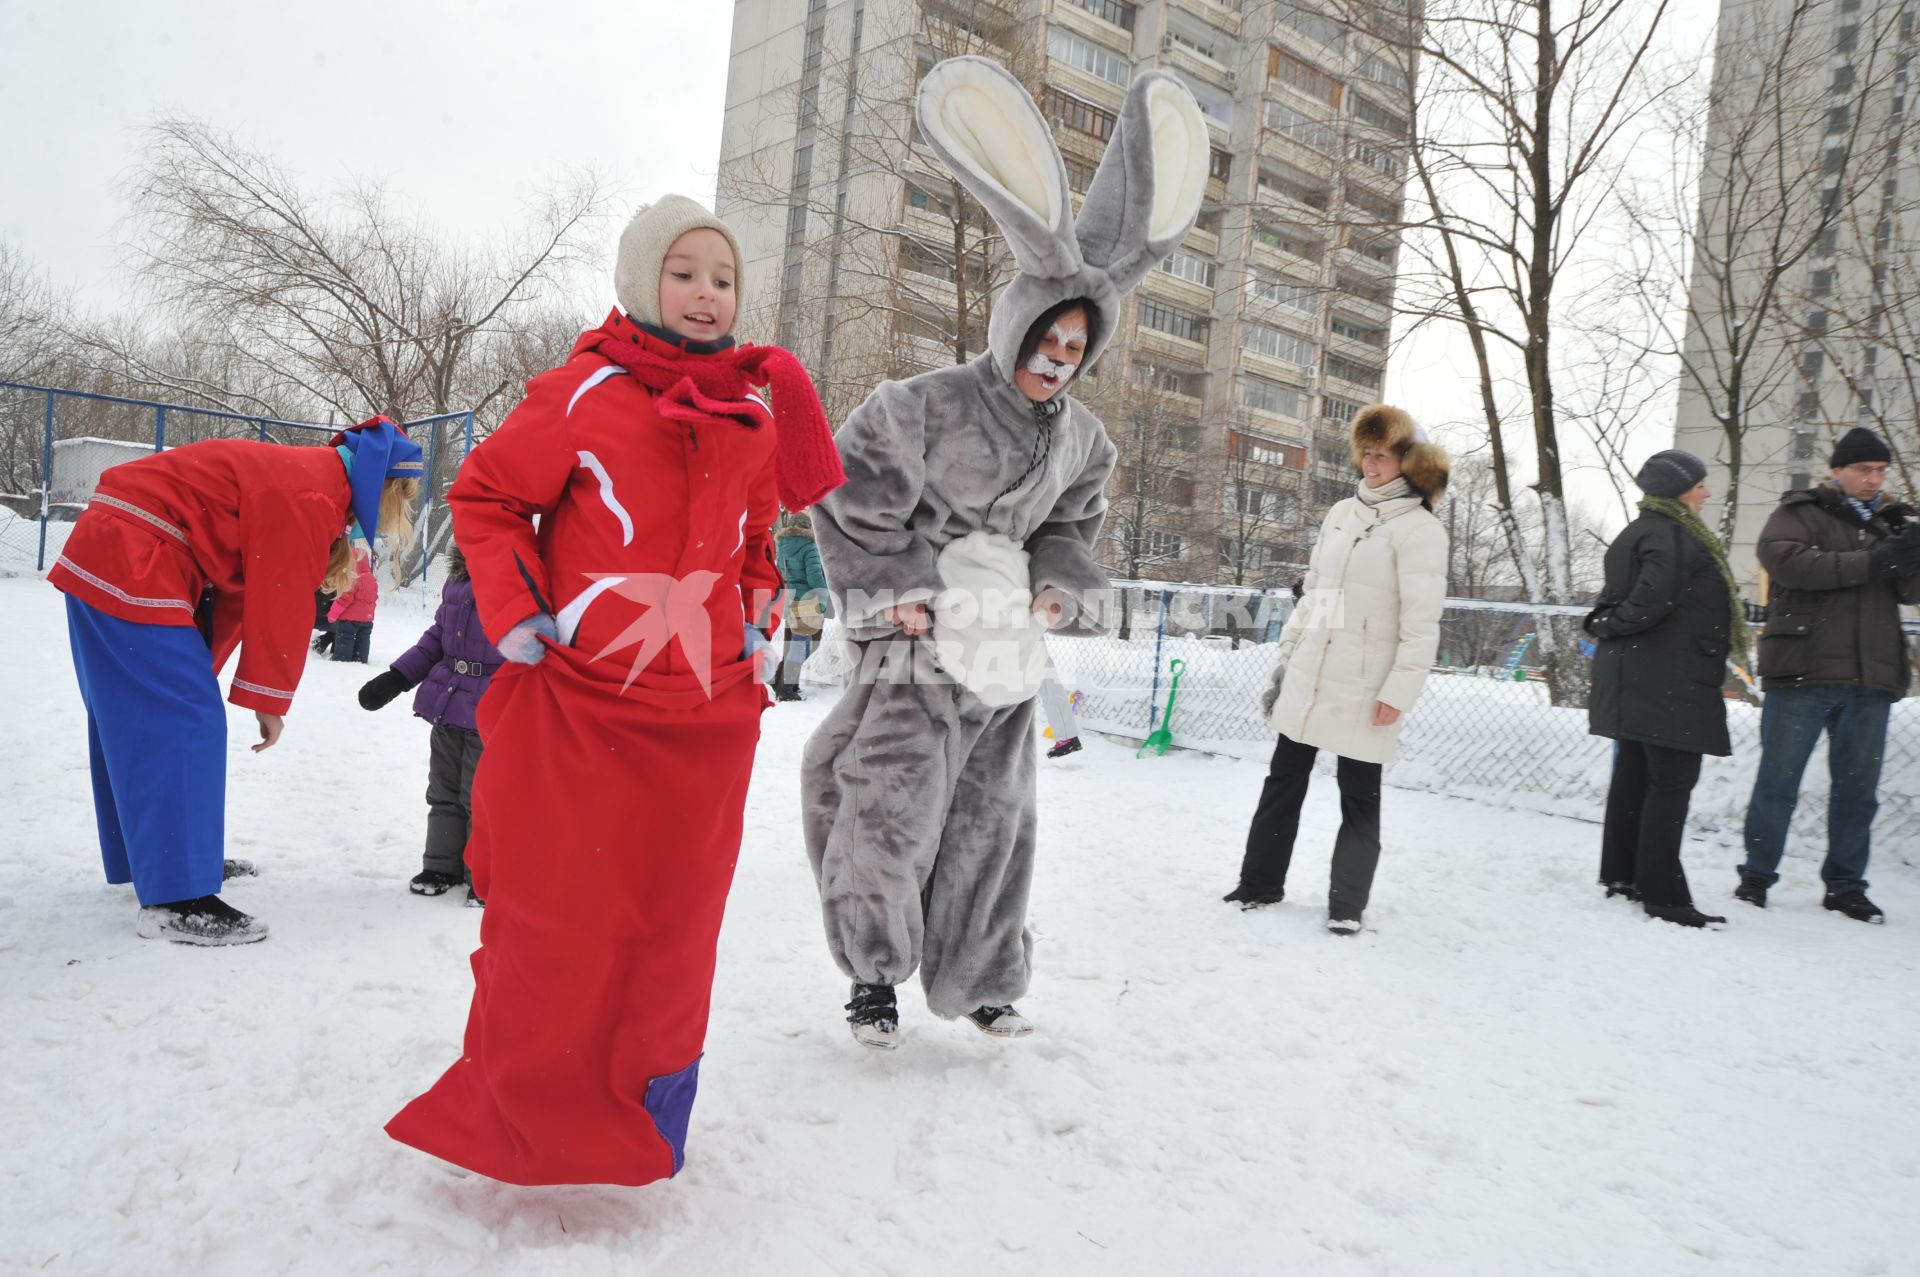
x,y
1524,110
1793,152
340,306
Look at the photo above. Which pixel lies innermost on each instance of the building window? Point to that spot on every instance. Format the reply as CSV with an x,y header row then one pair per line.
x,y
1381,72
1342,411
1175,381
1354,330
1084,55
1382,208
1267,452
802,165
1290,122
1169,319
1369,112
925,260
1354,371
1215,106
1820,284
1303,299
1288,239
1064,110
1304,76
1802,445
927,202
1119,14
1263,395
1379,292
1164,545
1274,344
1219,163
1294,184
1188,266
1812,364
796,223
1079,173
1382,160
1312,25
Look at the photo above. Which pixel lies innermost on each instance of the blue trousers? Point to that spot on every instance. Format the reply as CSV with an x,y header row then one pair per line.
x,y
352,640
157,740
1792,719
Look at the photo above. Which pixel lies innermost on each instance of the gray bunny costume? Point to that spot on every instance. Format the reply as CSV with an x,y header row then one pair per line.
x,y
918,789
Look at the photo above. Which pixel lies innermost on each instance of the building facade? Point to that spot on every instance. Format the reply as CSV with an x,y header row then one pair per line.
x,y
1802,318
1231,378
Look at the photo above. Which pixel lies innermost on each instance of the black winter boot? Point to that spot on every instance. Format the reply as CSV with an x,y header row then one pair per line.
x,y
204,920
1627,889
1071,745
1685,916
875,1016
431,882
1753,890
1343,920
1249,898
1855,905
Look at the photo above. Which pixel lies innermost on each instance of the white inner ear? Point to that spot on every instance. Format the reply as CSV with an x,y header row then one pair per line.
x,y
1180,152
991,126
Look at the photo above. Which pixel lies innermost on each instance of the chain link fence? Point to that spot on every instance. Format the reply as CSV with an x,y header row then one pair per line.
x,y
55,443
1485,728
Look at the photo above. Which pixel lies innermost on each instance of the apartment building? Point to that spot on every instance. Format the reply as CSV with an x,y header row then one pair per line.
x,y
1245,354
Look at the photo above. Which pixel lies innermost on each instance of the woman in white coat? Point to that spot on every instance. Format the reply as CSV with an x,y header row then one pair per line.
x,y
1353,658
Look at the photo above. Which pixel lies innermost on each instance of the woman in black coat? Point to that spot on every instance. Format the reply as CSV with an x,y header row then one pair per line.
x,y
1665,624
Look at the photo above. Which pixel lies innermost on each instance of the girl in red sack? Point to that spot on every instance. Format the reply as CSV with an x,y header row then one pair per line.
x,y
608,802
180,558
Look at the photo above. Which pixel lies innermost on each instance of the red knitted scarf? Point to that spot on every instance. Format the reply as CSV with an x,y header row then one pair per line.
x,y
701,387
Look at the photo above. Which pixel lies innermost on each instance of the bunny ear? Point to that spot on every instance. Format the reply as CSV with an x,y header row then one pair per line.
x,y
987,130
1146,193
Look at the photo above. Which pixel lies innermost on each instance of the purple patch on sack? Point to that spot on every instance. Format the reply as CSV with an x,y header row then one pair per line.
x,y
669,1102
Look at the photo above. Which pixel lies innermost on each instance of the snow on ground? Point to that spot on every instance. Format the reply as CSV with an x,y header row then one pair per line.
x,y
1507,1074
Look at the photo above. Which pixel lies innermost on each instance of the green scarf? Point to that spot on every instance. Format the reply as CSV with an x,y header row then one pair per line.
x,y
1740,634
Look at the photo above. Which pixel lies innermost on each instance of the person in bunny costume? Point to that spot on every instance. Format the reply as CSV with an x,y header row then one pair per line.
x,y
964,532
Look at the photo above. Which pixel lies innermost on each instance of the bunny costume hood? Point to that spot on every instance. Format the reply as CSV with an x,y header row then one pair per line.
x,y
965,495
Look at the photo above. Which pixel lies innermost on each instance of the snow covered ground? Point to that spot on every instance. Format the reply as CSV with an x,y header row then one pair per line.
x,y
1507,1074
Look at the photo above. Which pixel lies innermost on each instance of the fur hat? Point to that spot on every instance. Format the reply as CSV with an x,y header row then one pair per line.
x,y
1423,463
644,245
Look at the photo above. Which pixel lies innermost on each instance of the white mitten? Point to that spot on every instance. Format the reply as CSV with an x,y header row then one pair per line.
x,y
985,635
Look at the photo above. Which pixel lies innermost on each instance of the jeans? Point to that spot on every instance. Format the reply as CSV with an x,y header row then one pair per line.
x,y
1276,824
352,640
1647,821
1854,718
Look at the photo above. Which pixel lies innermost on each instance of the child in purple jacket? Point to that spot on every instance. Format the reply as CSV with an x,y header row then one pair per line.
x,y
451,665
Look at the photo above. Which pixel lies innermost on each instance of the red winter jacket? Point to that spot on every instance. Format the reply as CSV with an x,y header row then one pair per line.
x,y
362,596
252,522
635,510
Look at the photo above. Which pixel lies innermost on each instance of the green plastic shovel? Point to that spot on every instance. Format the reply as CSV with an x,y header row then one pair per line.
x,y
1162,738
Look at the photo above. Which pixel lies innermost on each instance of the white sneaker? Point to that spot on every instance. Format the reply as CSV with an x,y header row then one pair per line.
x,y
999,1022
205,920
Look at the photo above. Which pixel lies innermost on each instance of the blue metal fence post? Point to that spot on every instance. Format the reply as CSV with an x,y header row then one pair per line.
x,y
46,486
466,449
1159,642
160,428
426,511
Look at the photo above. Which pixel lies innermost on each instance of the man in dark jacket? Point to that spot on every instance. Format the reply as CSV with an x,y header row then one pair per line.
x,y
1841,562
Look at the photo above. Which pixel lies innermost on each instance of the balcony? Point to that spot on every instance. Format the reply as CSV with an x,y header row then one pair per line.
x,y
1225,16
1184,57
1176,291
1153,341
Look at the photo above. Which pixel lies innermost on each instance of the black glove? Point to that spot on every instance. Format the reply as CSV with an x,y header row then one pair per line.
x,y
1896,555
382,688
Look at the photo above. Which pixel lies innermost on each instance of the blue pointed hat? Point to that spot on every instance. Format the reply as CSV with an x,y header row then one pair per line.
x,y
375,451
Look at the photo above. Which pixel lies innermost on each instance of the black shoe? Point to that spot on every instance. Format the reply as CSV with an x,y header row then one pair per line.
x,y
473,901
999,1022
875,1016
1684,915
786,691
204,920
1343,920
1855,905
1627,889
431,882
1071,745
1249,898
231,869
1753,890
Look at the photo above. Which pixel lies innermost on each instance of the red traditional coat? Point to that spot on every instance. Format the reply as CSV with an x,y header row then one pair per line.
x,y
252,522
655,537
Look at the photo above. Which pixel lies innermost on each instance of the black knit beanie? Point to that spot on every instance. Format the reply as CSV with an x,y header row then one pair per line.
x,y
1670,473
1859,444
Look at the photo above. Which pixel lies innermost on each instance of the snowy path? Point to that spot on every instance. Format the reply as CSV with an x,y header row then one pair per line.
x,y
1508,1075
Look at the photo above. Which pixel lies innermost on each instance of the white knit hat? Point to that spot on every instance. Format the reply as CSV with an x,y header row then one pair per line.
x,y
644,245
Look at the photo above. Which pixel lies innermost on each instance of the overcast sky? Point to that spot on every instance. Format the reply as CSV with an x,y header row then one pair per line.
x,y
463,107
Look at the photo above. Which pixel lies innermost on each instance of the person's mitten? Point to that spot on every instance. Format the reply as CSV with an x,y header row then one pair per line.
x,y
1271,696
1896,555
377,691
522,644
761,652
